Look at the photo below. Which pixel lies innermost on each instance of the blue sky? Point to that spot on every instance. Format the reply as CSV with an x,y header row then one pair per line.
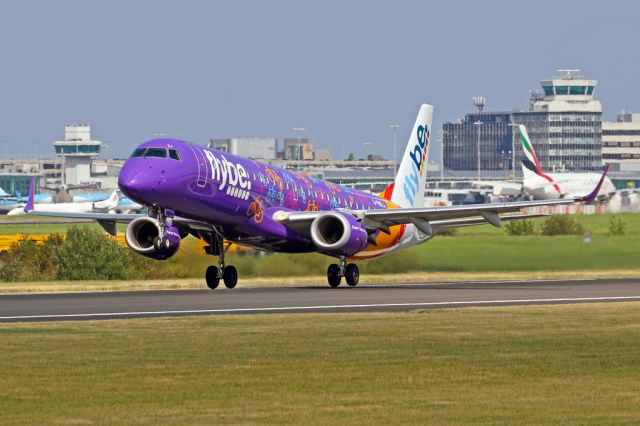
x,y
343,70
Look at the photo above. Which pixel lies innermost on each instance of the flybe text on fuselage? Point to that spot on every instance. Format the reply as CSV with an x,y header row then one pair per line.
x,y
227,173
418,156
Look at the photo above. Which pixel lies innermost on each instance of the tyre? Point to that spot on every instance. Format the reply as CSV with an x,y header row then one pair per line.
x,y
166,243
212,277
352,274
333,275
230,276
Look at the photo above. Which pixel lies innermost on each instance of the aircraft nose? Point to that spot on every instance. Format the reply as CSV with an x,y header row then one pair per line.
x,y
135,181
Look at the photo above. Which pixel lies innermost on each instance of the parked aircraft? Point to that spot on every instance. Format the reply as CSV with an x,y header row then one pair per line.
x,y
550,186
86,207
221,197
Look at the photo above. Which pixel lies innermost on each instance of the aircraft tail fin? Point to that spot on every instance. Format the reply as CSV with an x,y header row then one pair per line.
x,y
409,185
530,162
32,195
109,203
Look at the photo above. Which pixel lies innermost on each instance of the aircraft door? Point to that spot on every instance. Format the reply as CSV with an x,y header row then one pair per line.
x,y
203,167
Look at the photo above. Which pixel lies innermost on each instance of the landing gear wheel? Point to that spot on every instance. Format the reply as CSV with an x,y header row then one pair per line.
x,y
212,277
333,275
352,274
230,276
166,243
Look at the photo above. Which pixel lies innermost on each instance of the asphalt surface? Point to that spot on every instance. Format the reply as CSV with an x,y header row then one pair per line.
x,y
364,298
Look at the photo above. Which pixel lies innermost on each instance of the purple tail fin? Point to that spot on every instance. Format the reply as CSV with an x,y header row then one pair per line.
x,y
32,193
592,196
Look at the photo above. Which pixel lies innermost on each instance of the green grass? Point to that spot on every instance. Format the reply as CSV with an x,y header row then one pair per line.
x,y
596,224
475,249
574,364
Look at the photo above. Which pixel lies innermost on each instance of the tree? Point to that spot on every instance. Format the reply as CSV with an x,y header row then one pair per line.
x,y
89,254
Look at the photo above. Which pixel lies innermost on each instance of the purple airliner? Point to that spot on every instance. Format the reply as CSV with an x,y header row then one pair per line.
x,y
222,198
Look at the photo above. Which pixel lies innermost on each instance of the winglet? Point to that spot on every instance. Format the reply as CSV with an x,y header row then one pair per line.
x,y
592,196
32,193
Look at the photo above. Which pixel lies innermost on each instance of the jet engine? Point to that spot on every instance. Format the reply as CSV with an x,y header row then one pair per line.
x,y
338,233
142,237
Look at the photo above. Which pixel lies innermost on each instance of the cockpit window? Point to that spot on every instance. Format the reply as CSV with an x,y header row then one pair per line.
x,y
156,152
174,154
139,152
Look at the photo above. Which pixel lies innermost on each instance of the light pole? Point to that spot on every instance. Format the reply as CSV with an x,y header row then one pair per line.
x,y
394,127
478,124
299,130
442,133
366,150
514,132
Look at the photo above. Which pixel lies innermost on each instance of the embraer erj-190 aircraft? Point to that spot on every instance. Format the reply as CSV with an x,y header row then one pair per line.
x,y
221,197
551,186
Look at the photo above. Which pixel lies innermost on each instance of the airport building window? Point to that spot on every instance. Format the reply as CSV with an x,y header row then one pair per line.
x,y
562,90
577,90
590,90
548,90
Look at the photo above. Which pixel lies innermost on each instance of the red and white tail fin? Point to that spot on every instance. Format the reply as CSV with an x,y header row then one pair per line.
x,y
530,163
408,187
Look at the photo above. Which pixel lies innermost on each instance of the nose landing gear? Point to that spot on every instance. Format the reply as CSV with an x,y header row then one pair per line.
x,y
350,272
228,273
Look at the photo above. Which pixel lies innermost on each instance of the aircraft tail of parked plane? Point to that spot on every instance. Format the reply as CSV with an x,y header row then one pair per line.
x,y
218,197
548,186
108,204
531,166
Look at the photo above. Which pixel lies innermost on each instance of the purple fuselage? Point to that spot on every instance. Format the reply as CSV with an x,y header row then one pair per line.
x,y
237,195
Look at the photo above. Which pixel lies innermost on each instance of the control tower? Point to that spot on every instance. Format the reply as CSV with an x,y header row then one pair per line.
x,y
77,150
564,123
568,92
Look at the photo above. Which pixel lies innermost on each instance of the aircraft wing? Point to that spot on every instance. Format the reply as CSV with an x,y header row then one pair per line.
x,y
426,218
108,221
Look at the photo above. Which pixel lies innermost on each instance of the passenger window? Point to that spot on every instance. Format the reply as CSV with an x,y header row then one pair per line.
x,y
156,152
173,154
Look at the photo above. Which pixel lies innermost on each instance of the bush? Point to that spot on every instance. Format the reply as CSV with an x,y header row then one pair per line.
x,y
561,225
520,227
89,254
617,226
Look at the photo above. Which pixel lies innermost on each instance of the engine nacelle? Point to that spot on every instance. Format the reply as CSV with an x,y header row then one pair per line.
x,y
338,233
140,236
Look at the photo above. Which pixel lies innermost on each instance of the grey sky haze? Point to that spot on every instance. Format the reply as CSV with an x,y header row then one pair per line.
x,y
344,70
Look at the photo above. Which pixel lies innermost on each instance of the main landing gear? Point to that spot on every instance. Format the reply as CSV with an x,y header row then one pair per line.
x,y
228,273
349,271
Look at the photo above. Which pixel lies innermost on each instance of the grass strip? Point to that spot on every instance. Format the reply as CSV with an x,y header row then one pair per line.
x,y
576,364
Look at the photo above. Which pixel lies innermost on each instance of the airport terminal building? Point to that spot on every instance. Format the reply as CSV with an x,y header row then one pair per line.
x,y
564,122
621,142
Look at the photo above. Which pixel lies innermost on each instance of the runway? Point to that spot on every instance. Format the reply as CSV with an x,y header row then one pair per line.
x,y
364,298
